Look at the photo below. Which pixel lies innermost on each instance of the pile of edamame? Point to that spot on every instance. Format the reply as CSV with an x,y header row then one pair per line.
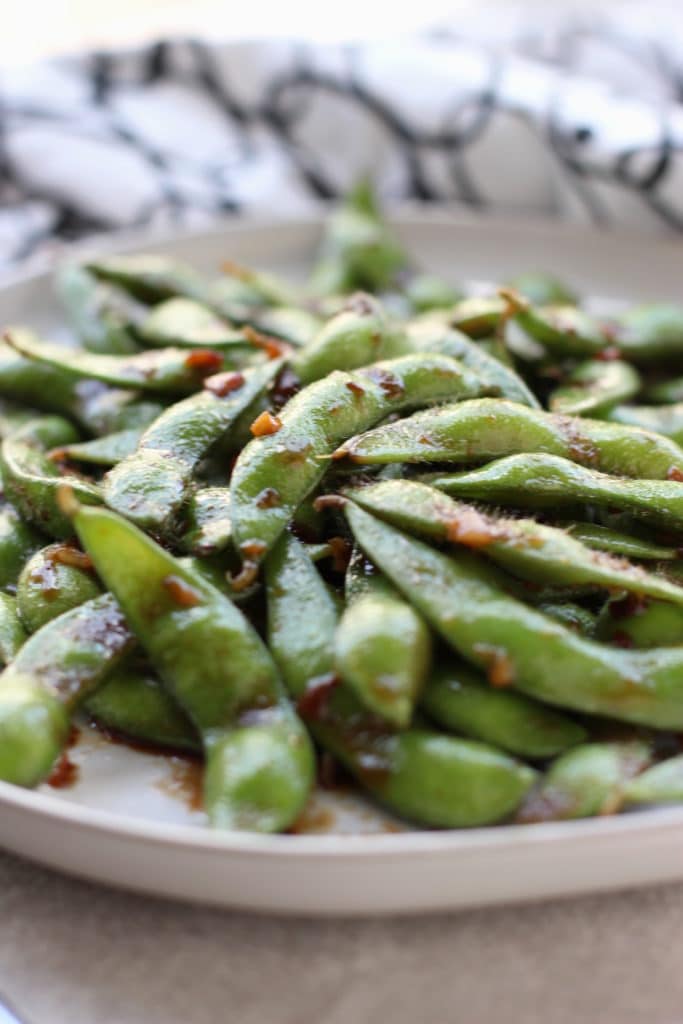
x,y
433,536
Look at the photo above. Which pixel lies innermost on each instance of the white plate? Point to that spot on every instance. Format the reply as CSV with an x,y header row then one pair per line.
x,y
130,820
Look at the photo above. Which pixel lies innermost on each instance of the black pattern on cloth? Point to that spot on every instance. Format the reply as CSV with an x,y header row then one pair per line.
x,y
583,122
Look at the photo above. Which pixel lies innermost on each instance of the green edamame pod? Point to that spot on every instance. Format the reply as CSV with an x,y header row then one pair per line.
x,y
465,601
642,625
669,391
148,277
164,370
44,387
102,451
244,296
184,323
357,250
545,481
290,460
587,781
359,335
457,697
103,318
426,292
31,480
53,581
359,576
604,538
290,323
151,485
594,387
575,616
111,410
565,330
13,416
429,334
133,702
527,549
383,651
208,522
543,289
12,633
478,317
318,552
660,784
95,407
18,541
419,774
488,428
49,677
265,290
259,761
650,333
664,419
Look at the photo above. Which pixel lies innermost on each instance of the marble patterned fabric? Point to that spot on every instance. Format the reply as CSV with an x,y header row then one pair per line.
x,y
578,118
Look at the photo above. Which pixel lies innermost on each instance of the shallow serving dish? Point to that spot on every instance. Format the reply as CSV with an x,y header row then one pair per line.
x,y
131,818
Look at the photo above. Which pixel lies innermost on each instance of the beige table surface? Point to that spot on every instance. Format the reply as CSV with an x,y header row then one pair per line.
x,y
75,953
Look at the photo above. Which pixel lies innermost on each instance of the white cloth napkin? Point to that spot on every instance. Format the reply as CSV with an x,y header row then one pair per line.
x,y
514,112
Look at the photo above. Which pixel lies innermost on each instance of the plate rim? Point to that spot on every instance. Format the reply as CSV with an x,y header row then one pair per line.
x,y
396,844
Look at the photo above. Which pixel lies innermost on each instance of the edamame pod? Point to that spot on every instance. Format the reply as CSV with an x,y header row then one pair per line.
x,y
151,486
587,781
457,697
49,677
53,581
594,387
208,522
426,292
149,277
359,335
133,702
650,333
575,616
102,451
660,784
164,370
184,323
13,416
12,632
664,419
604,538
517,645
31,480
429,334
383,651
290,323
18,541
103,318
545,481
277,470
543,289
669,391
95,407
478,317
259,761
641,624
47,388
430,778
564,330
527,549
489,428
357,250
